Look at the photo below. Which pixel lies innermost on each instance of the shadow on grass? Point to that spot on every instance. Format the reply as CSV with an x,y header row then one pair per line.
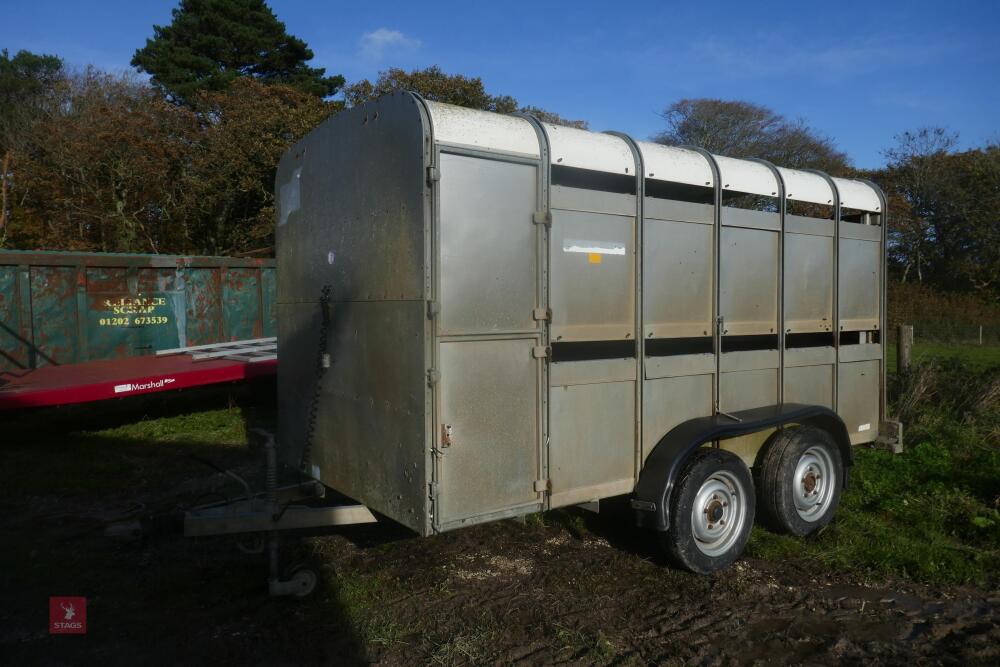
x,y
158,601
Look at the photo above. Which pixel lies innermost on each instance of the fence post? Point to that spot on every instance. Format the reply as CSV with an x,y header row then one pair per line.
x,y
904,347
980,334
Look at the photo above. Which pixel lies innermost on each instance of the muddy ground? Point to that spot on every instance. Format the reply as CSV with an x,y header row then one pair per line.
x,y
567,587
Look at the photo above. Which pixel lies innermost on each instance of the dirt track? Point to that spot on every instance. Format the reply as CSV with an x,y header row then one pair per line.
x,y
571,588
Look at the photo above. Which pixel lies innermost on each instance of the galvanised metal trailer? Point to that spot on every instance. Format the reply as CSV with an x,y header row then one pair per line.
x,y
482,316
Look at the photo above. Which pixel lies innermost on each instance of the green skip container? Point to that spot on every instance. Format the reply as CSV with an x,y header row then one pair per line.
x,y
64,308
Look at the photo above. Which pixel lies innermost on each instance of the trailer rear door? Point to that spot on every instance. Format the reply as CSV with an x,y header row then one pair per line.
x,y
488,414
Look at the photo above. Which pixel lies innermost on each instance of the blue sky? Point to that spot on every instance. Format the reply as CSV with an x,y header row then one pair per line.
x,y
856,72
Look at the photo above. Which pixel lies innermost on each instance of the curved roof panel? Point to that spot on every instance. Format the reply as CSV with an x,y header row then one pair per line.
x,y
746,176
571,147
806,186
472,128
677,165
858,195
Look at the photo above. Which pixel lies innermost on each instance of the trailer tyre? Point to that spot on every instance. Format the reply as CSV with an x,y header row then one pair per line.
x,y
304,580
799,475
712,510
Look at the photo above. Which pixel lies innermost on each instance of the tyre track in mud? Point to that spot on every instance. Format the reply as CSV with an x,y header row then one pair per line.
x,y
571,588
603,598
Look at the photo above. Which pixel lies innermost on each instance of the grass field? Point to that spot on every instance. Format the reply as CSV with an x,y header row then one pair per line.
x,y
915,529
974,356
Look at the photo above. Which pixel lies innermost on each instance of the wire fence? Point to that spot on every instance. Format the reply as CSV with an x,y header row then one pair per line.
x,y
952,333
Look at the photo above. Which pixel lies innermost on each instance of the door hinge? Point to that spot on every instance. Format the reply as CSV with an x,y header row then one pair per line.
x,y
433,308
433,375
542,217
433,174
445,435
543,485
542,314
432,490
541,352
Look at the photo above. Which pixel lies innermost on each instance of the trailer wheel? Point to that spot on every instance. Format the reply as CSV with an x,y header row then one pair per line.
x,y
304,580
799,479
712,509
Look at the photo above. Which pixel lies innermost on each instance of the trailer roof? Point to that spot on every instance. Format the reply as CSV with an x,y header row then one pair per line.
x,y
746,176
471,128
677,165
806,186
858,195
571,147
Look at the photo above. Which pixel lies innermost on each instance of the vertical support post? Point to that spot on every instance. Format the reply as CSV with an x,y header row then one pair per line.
x,y
26,319
638,244
542,204
82,314
980,334
432,292
716,271
782,206
836,286
221,278
904,348
883,209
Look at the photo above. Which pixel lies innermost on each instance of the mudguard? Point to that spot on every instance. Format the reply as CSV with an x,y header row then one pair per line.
x,y
651,498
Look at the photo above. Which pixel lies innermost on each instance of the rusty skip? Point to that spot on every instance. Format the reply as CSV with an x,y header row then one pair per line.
x,y
63,307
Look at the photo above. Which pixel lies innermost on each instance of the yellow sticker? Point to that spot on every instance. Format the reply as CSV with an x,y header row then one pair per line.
x,y
594,257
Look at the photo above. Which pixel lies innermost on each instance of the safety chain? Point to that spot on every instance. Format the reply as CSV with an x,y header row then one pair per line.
x,y
322,363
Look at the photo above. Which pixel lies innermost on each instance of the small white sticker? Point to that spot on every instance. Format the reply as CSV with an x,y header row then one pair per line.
x,y
315,472
152,384
864,427
330,256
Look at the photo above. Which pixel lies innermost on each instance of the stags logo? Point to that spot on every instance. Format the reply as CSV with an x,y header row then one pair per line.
x,y
67,616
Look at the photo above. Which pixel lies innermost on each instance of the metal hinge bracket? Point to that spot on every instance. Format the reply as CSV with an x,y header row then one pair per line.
x,y
543,485
433,174
433,308
433,375
542,314
542,217
541,352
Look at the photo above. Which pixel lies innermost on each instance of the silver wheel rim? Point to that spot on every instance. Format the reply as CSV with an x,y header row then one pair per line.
x,y
719,513
813,483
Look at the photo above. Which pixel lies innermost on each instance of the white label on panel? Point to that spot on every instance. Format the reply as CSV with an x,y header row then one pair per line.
x,y
594,247
864,427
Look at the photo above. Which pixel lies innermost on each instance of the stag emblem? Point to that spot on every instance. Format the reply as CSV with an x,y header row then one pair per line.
x,y
69,610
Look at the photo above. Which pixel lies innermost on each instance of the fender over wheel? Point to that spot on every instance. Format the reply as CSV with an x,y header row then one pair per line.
x,y
713,509
799,477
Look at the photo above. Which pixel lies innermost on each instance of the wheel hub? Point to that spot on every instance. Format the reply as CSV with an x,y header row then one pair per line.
x,y
809,482
815,483
718,513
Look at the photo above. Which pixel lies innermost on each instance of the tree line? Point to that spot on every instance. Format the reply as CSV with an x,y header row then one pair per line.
x,y
183,162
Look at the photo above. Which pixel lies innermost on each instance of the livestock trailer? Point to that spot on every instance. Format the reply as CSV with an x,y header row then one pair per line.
x,y
71,307
483,315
